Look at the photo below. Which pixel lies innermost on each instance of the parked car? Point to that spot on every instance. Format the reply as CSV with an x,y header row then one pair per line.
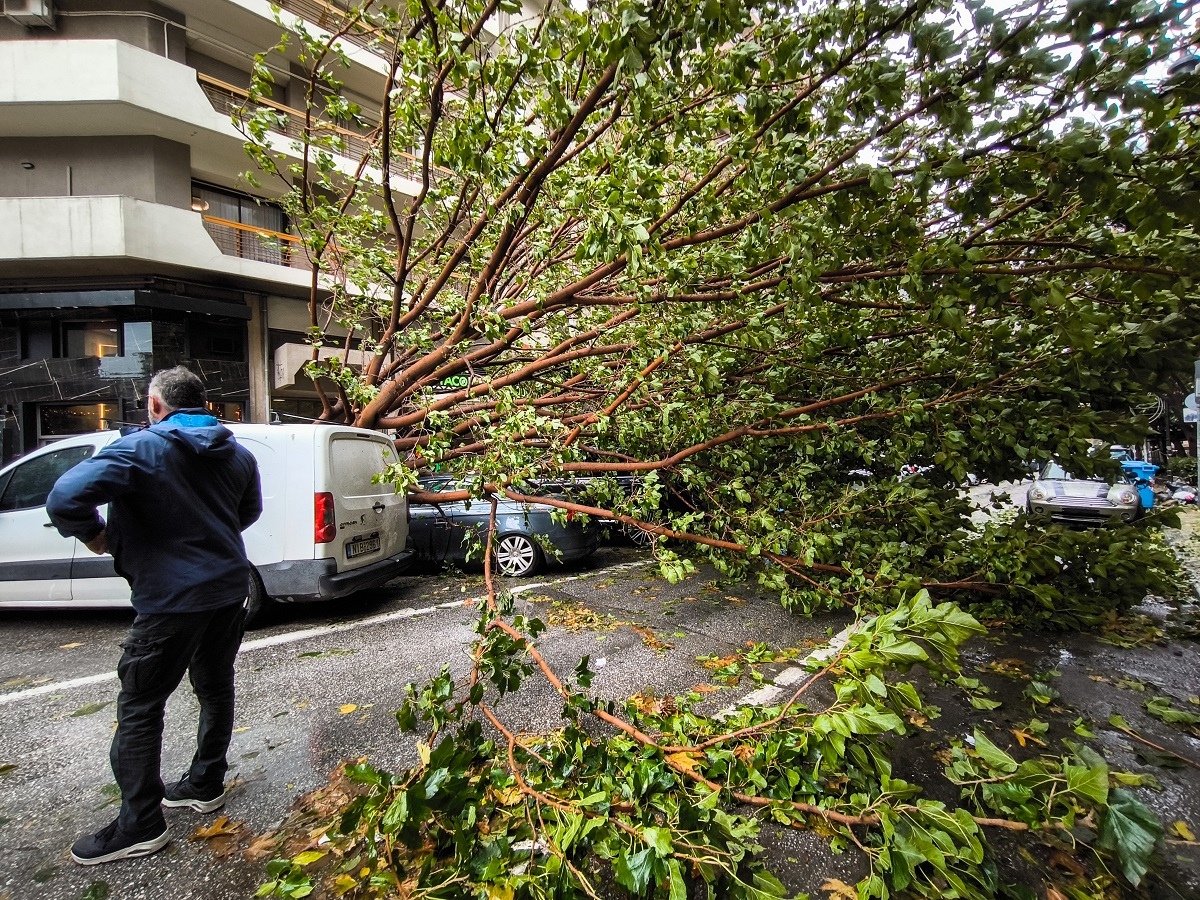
x,y
326,529
444,532
1065,498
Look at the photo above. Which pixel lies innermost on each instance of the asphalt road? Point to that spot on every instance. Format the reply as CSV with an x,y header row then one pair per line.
x,y
318,686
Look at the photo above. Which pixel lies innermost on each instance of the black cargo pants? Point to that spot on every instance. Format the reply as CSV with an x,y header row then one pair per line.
x,y
159,649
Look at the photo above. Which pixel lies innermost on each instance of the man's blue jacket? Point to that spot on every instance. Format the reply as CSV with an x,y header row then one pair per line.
x,y
180,493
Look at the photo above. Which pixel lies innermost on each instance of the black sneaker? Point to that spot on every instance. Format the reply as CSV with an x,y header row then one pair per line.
x,y
184,793
110,843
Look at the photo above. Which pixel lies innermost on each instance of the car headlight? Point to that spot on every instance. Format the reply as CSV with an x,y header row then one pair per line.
x,y
1037,492
1123,495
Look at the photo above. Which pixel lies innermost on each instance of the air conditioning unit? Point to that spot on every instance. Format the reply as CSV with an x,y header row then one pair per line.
x,y
30,13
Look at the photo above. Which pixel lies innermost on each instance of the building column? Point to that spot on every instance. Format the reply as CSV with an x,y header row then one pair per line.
x,y
260,365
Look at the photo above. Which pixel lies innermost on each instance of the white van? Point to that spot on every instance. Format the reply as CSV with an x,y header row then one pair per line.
x,y
326,529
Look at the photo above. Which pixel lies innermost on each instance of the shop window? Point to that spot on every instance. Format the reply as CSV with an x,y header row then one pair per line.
x,y
227,410
214,340
98,340
59,421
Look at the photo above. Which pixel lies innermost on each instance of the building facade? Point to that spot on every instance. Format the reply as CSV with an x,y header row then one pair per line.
x,y
129,240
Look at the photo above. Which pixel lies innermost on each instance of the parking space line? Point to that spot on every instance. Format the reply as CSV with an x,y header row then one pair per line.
x,y
292,637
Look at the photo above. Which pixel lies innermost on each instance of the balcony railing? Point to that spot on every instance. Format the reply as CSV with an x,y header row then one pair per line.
x,y
235,102
333,18
248,242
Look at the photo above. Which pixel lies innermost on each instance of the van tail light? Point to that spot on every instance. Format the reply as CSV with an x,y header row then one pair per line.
x,y
324,527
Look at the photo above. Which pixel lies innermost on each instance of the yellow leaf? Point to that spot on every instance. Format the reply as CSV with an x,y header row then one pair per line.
x,y
686,761
240,730
1022,736
216,829
498,892
423,752
344,884
364,871
1183,831
705,688
839,890
509,796
308,857
348,708
70,646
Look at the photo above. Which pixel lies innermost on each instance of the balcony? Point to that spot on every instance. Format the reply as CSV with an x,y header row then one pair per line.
x,y
248,242
121,235
235,102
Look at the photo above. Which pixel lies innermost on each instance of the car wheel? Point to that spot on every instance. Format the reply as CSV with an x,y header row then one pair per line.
x,y
516,555
259,603
637,537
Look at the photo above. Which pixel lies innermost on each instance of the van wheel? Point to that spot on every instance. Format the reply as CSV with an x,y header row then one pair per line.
x,y
259,604
516,556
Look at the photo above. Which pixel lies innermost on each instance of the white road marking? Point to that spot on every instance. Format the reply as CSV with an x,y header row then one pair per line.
x,y
292,637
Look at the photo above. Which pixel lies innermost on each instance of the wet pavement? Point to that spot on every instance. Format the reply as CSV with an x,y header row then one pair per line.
x,y
320,684
314,688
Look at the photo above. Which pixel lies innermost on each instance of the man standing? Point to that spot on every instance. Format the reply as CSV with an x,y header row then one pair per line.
x,y
180,493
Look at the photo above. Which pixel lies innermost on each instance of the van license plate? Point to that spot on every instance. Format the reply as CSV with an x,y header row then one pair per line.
x,y
358,548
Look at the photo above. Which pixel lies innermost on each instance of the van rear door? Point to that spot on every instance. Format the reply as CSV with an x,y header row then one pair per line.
x,y
372,519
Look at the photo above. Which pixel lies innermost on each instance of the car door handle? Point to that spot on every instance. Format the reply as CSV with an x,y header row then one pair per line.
x,y
47,524
378,507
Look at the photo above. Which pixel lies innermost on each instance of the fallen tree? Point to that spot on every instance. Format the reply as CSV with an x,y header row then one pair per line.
x,y
762,257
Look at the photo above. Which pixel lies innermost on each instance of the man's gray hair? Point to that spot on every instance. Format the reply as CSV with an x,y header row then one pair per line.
x,y
178,388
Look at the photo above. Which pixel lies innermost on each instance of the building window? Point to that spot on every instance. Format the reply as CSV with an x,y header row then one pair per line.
x,y
56,421
217,340
227,410
98,340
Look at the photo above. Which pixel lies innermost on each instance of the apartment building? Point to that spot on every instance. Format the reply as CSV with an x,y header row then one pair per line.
x,y
128,239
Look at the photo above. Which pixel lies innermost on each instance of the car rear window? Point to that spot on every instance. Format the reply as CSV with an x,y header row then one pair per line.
x,y
354,463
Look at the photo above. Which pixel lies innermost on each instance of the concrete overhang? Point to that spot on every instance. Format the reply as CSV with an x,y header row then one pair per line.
x,y
290,360
42,236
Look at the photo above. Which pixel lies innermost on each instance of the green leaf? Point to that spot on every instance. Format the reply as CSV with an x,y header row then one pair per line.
x,y
677,889
1131,831
1161,708
993,755
659,839
1091,783
632,870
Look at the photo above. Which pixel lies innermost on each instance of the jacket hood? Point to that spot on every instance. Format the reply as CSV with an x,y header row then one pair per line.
x,y
199,432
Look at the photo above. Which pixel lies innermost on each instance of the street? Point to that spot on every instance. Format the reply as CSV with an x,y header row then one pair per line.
x,y
320,684
316,687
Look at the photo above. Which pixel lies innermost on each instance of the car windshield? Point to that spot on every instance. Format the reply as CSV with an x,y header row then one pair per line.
x,y
1053,471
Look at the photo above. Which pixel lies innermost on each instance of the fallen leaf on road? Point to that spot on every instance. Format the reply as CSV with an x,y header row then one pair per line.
x,y
1054,894
1067,862
5,768
348,708
1022,736
262,847
839,890
1181,829
70,646
221,826
705,688
89,708
240,730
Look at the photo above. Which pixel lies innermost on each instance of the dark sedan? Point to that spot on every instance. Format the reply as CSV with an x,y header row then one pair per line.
x,y
444,532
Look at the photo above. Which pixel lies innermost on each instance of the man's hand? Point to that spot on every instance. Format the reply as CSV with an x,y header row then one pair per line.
x,y
98,544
